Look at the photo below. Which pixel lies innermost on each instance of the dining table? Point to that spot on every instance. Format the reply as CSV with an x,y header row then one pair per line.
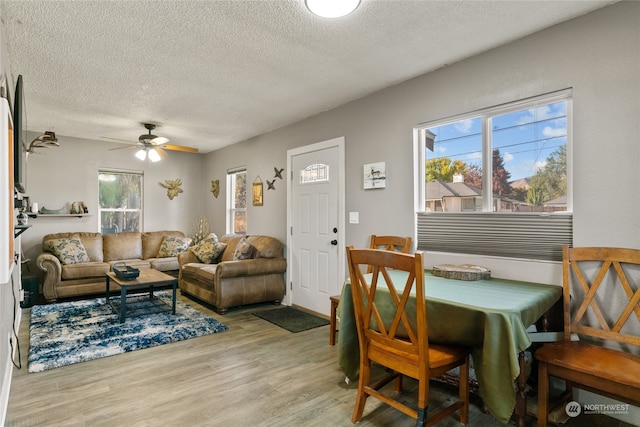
x,y
491,316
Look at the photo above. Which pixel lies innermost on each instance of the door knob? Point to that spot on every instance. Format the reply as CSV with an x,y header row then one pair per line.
x,y
334,242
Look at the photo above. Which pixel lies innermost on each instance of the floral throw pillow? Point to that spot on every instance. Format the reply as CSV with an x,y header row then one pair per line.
x,y
172,246
69,250
209,249
245,250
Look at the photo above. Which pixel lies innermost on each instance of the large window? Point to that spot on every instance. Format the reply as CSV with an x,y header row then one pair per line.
x,y
489,179
120,201
237,201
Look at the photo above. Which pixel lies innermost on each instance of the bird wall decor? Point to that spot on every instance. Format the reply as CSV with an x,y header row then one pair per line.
x,y
46,140
173,187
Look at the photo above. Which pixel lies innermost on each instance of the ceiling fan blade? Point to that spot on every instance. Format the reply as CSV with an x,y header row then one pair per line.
x,y
123,148
159,140
118,139
163,153
180,148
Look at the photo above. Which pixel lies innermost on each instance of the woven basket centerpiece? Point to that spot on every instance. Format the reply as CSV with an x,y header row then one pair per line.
x,y
461,272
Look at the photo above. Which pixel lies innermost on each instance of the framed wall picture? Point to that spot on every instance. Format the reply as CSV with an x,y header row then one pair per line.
x,y
257,191
375,175
7,214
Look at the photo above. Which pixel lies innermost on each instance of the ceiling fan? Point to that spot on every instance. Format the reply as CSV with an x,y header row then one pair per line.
x,y
152,146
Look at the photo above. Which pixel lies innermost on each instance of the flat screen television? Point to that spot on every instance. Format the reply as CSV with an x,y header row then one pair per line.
x,y
19,138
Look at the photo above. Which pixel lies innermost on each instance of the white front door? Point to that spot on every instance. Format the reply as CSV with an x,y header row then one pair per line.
x,y
315,221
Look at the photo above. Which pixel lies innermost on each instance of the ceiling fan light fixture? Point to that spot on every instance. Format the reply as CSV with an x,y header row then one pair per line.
x,y
154,156
141,154
332,8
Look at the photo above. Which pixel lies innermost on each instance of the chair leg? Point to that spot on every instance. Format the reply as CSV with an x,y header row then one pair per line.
x,y
423,401
543,394
463,392
333,319
361,398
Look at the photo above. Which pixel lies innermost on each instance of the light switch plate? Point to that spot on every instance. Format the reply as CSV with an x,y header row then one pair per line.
x,y
354,217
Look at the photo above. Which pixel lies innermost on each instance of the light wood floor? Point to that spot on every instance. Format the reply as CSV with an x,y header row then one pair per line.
x,y
254,374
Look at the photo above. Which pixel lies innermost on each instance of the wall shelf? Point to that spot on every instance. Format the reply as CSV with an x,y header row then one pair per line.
x,y
19,229
62,215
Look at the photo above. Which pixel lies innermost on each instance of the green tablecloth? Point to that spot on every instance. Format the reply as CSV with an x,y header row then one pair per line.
x,y
489,315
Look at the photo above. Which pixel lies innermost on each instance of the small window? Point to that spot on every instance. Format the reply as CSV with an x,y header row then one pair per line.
x,y
316,172
237,201
120,207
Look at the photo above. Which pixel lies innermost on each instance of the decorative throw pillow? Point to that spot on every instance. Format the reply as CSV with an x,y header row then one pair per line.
x,y
69,250
172,246
245,250
209,249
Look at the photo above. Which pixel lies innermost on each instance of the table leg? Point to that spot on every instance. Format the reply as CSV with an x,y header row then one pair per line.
x,y
123,303
521,397
173,299
151,292
107,291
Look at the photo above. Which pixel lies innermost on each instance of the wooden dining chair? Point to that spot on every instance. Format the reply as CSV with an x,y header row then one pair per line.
x,y
601,308
391,320
390,243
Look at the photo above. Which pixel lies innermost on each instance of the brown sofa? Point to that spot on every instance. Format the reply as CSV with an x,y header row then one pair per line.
x,y
136,249
230,282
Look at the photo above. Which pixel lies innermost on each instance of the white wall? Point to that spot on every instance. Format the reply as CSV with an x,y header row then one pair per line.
x,y
10,312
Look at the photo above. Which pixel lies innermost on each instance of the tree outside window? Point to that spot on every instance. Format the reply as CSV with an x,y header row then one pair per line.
x,y
237,201
527,166
120,204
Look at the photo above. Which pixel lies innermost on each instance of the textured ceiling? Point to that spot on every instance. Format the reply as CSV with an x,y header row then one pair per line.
x,y
213,73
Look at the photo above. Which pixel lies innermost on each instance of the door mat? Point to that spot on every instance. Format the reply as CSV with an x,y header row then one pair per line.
x,y
291,319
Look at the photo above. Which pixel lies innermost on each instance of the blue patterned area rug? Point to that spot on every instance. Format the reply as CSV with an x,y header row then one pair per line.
x,y
73,332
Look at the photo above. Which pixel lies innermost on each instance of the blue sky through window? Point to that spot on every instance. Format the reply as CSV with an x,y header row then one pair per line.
x,y
525,138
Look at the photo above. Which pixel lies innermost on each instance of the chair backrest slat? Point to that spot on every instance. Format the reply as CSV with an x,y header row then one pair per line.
x,y
377,292
390,243
603,285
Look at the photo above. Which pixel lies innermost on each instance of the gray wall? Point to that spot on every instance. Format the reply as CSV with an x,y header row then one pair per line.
x,y
598,55
58,176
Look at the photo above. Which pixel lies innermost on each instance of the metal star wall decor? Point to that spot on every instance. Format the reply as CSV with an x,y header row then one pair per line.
x,y
271,185
278,172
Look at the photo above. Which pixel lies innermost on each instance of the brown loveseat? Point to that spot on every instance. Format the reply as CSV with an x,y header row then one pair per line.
x,y
232,282
77,277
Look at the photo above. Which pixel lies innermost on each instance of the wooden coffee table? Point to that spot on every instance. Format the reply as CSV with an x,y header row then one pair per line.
x,y
148,279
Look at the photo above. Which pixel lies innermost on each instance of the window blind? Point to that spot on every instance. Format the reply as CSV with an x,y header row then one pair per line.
x,y
528,236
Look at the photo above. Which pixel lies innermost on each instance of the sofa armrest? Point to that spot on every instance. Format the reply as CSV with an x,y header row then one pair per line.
x,y
52,276
251,267
187,257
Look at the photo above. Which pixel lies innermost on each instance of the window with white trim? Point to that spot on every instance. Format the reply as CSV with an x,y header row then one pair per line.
x,y
237,201
497,181
120,201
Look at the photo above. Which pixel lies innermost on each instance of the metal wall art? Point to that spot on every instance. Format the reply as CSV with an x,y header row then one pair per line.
x,y
173,187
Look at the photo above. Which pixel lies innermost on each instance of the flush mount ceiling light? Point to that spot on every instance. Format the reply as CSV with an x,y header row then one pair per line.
x,y
332,8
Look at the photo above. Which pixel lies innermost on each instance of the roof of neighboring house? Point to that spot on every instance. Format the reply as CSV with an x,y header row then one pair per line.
x,y
437,189
560,201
